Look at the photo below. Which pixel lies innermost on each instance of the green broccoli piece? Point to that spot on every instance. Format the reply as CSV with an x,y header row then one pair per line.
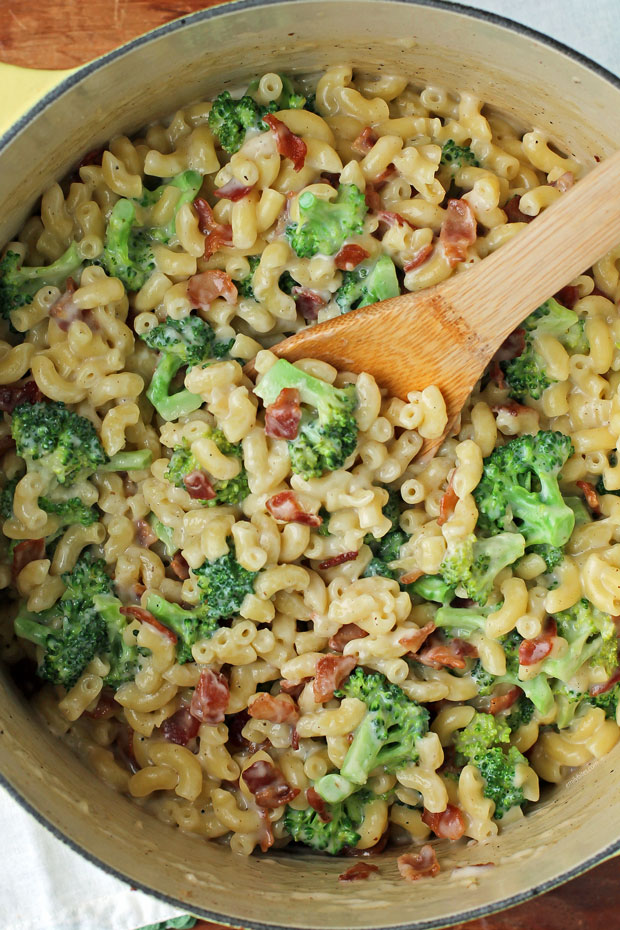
x,y
520,713
245,287
19,283
228,491
519,489
473,564
324,225
526,374
223,584
608,700
164,533
457,156
386,550
6,498
289,99
387,735
124,659
577,505
128,252
568,701
231,120
323,529
368,283
431,588
188,183
306,826
325,440
551,555
134,460
287,282
189,625
591,636
70,512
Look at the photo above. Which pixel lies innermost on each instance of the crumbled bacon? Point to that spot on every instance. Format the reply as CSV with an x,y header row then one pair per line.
x,y
285,507
316,801
590,495
564,182
283,416
388,172
448,824
411,576
373,198
145,616
210,697
198,486
389,218
458,231
511,347
504,701
180,567
418,865
180,728
604,686
234,190
331,671
294,688
307,302
64,310
358,872
278,709
535,650
419,257
268,785
513,213
512,408
365,141
217,235
203,288
105,707
338,559
414,639
568,296
496,374
145,534
25,552
20,392
344,635
447,655
287,143
350,256
447,504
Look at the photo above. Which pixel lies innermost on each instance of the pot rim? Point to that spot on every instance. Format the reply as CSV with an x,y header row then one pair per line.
x,y
66,84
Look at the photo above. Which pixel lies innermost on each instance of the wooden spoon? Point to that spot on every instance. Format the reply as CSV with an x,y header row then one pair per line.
x,y
446,335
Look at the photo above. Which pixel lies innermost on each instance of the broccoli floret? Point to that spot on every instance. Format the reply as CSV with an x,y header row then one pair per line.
x,y
323,529
325,224
368,283
189,625
431,588
386,550
19,283
473,564
482,743
70,512
228,491
287,282
591,636
185,342
128,252
71,632
519,489
608,700
520,713
387,735
457,156
123,658
289,99
230,120
326,439
582,514
164,533
551,555
245,287
526,374
224,583
6,498
188,183
306,826
134,460
568,701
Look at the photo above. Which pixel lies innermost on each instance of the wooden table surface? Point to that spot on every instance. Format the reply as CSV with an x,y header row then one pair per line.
x,y
66,33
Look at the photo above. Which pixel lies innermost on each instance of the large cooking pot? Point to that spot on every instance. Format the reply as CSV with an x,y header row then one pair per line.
x,y
56,118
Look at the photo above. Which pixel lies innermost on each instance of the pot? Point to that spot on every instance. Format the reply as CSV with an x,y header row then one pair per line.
x,y
49,120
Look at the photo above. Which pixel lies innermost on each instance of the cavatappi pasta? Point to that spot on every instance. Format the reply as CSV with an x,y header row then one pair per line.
x,y
261,627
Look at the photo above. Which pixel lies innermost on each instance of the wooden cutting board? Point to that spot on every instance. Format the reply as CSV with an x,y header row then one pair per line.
x,y
67,33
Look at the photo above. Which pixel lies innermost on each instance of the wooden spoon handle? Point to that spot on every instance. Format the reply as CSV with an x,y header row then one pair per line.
x,y
588,216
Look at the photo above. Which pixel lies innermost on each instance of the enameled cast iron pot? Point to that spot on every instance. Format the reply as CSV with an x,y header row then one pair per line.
x,y
49,120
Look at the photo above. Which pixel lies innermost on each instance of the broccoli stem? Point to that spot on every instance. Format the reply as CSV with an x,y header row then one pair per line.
x,y
164,534
28,628
171,615
135,460
171,406
334,788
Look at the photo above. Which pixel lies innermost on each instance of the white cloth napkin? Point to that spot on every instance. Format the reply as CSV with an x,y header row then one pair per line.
x,y
44,885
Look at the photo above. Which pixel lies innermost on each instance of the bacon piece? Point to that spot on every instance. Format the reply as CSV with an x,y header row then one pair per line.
x,y
294,688
513,213
448,824
308,302
504,701
447,504
590,495
316,801
198,486
180,567
210,697
458,231
285,507
25,552
418,865
24,392
391,219
365,141
496,374
344,635
568,296
535,650
513,408
64,310
268,785
410,577
203,288
278,709
388,172
145,616
372,198
105,707
283,416
419,257
287,143
145,534
604,686
217,235
234,190
331,671
564,182
180,728
358,872
413,639
447,655
265,837
511,347
338,559
350,256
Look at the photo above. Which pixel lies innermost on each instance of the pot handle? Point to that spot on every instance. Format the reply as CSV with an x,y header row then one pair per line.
x,y
22,88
